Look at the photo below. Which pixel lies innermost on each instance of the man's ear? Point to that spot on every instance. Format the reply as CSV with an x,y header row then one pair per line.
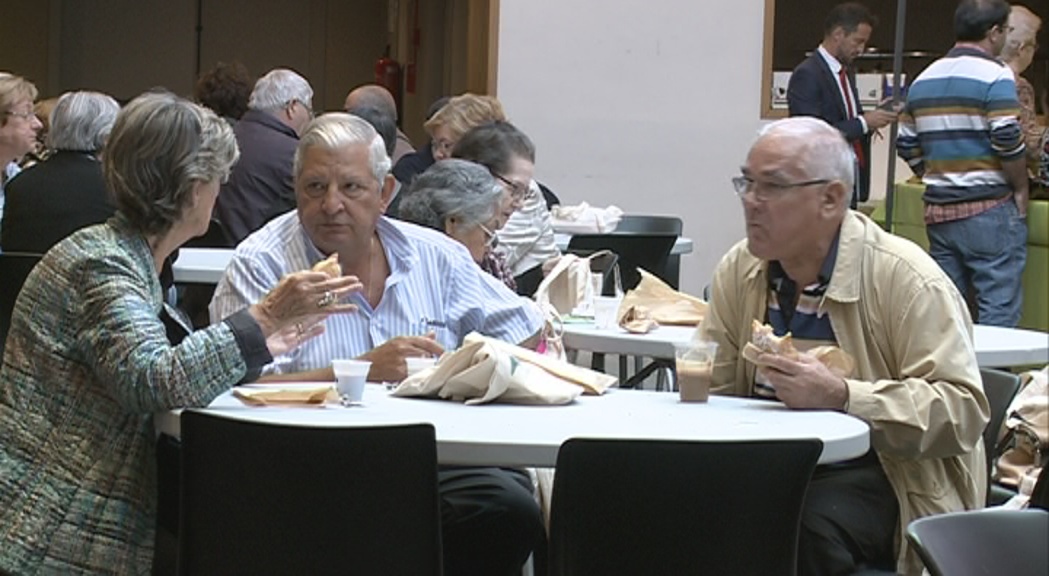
x,y
835,195
386,193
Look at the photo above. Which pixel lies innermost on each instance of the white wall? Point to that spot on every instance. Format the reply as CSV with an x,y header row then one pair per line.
x,y
647,105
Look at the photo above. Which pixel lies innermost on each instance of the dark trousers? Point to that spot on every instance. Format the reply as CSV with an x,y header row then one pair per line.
x,y
490,521
849,520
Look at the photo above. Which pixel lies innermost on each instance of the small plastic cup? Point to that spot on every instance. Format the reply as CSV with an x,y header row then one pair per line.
x,y
419,363
350,376
606,312
695,365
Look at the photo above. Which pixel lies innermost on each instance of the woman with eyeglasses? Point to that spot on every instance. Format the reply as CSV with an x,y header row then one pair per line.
x,y
526,239
464,201
18,126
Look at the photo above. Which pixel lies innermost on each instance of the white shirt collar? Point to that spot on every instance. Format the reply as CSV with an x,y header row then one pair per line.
x,y
831,61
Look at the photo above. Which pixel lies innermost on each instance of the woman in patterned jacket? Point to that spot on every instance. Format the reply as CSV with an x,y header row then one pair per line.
x,y
93,351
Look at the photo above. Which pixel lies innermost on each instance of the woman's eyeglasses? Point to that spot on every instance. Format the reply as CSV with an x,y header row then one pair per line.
x,y
518,191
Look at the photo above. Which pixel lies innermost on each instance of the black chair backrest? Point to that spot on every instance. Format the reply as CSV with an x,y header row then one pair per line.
x,y
1040,493
14,269
1000,388
215,237
636,224
983,542
658,507
648,251
271,499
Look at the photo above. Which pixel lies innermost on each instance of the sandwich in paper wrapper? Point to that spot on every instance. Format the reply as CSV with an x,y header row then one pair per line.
x,y
764,341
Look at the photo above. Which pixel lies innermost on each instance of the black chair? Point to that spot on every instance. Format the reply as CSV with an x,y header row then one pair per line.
x,y
987,542
268,499
648,251
1040,493
672,498
14,269
1000,388
640,224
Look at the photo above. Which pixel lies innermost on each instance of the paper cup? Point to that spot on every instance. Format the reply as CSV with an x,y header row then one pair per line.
x,y
350,376
419,363
606,312
695,364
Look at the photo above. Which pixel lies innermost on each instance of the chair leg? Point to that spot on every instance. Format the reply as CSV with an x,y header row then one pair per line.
x,y
622,370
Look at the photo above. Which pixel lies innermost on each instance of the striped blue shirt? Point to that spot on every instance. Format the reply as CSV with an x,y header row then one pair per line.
x,y
434,285
960,122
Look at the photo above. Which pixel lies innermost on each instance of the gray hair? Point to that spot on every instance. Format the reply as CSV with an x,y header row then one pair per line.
x,y
821,150
277,89
81,121
451,189
335,130
160,146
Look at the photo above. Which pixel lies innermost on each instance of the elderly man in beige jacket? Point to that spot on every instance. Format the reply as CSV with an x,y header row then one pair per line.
x,y
829,275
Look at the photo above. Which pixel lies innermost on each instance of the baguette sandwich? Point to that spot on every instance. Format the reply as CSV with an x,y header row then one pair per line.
x,y
329,266
764,341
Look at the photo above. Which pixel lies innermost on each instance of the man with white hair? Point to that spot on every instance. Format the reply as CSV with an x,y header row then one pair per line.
x,y
260,186
66,192
422,294
827,275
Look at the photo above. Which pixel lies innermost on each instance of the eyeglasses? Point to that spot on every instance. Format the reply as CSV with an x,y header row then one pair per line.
x,y
492,240
764,191
444,146
27,116
518,191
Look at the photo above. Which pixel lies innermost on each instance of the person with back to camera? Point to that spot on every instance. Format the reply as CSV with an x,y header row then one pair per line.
x,y
93,350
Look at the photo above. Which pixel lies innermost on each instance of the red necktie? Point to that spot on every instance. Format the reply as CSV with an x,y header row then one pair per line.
x,y
856,144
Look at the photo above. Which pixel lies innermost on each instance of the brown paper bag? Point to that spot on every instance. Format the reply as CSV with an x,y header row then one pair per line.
x,y
664,304
486,370
277,395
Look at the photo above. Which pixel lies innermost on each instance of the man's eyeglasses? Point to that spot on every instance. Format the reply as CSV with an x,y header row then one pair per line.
x,y
518,191
763,191
491,240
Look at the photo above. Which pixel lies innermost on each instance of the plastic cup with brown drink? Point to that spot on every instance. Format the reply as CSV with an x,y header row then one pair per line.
x,y
695,363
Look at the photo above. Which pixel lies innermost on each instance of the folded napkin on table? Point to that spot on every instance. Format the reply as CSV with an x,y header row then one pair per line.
x,y
268,395
584,219
486,370
664,304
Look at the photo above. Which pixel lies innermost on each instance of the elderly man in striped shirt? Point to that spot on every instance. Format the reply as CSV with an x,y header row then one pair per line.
x,y
422,293
960,132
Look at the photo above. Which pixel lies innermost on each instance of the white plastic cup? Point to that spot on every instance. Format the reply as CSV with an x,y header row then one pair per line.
x,y
350,376
606,312
419,363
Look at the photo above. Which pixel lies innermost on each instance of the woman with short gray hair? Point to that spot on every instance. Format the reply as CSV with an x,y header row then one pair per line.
x,y
66,192
464,201
93,351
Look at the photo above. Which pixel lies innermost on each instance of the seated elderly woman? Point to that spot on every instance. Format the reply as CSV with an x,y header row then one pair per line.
x,y
462,200
66,192
526,240
18,126
93,351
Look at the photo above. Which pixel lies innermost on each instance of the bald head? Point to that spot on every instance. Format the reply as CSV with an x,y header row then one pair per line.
x,y
818,149
371,96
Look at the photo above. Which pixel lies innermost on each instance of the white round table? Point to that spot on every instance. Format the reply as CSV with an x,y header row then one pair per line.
x,y
509,435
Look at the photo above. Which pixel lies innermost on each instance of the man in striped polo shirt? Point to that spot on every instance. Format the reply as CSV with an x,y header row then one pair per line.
x,y
828,275
960,132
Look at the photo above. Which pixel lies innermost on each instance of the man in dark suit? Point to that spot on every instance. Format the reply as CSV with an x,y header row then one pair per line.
x,y
824,86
